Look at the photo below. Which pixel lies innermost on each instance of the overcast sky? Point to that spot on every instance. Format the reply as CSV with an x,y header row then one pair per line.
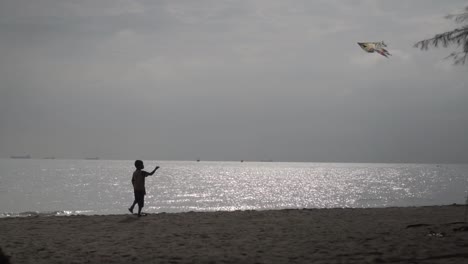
x,y
230,80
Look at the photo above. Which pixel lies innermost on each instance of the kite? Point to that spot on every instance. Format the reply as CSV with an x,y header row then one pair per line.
x,y
378,47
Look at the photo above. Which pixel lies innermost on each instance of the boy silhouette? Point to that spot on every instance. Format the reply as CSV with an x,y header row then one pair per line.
x,y
138,182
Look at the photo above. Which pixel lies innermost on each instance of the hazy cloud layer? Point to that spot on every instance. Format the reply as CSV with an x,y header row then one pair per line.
x,y
229,80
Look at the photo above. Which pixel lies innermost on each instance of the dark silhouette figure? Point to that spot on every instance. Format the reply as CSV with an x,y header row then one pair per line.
x,y
4,258
138,182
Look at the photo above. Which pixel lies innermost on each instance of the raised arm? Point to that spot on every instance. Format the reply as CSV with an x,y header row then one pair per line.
x,y
151,173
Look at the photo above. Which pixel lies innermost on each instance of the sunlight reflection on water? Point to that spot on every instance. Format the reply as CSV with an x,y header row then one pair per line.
x,y
104,187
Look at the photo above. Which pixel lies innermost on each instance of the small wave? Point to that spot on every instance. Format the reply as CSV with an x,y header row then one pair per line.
x,y
45,213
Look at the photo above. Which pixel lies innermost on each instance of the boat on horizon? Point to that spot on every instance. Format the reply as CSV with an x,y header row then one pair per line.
x,y
20,157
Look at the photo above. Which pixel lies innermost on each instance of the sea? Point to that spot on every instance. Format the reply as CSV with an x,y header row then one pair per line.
x,y
31,187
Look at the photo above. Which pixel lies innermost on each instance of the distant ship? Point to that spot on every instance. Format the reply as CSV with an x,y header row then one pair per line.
x,y
49,158
20,157
92,158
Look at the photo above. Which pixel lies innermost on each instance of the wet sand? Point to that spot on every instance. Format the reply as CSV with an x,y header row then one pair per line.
x,y
435,234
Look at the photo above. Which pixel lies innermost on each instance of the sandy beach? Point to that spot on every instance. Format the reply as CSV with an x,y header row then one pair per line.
x,y
435,234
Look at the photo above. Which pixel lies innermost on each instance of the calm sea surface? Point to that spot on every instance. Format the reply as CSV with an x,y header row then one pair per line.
x,y
29,187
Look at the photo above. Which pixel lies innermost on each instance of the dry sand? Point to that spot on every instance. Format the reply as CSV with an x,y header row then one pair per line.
x,y
435,234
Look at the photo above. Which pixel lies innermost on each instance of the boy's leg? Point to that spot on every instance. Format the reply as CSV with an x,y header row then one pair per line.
x,y
140,200
139,210
135,200
133,206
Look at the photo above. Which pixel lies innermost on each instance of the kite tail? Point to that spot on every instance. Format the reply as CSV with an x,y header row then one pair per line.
x,y
382,53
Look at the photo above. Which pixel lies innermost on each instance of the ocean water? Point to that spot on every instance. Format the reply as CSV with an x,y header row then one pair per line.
x,y
64,187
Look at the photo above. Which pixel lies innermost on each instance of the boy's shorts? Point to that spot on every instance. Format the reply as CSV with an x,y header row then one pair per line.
x,y
139,197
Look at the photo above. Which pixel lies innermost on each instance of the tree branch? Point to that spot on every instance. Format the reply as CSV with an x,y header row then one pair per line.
x,y
458,36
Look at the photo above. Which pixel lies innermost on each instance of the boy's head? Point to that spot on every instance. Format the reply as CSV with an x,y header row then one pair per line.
x,y
139,164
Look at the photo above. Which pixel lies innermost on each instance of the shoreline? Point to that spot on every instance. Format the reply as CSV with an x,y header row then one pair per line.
x,y
426,234
65,213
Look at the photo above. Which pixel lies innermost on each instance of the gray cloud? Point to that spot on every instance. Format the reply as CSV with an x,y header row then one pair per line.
x,y
229,80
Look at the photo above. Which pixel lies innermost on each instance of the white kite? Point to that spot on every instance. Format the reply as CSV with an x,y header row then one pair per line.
x,y
378,47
